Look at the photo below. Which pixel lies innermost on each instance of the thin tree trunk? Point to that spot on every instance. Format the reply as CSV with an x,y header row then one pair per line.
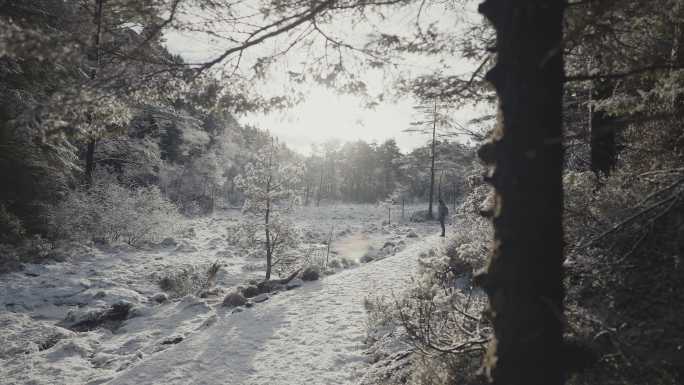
x,y
523,279
90,162
432,166
90,151
439,185
269,248
306,194
269,251
320,187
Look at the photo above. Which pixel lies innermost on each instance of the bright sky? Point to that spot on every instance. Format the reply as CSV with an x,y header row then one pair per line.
x,y
324,114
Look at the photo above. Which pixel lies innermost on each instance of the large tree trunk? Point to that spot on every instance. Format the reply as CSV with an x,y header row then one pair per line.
x,y
523,279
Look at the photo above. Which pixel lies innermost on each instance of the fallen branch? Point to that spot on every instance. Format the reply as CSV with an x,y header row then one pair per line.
x,y
268,286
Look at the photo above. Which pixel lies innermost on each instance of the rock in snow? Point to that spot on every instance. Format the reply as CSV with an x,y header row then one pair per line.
x,y
310,274
168,242
160,297
294,284
260,298
234,299
250,291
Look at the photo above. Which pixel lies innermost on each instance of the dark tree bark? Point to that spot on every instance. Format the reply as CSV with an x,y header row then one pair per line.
x,y
523,279
603,133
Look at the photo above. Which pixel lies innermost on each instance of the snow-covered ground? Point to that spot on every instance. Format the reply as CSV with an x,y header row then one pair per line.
x,y
314,334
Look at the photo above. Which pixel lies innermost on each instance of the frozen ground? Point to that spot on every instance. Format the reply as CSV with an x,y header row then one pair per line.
x,y
312,335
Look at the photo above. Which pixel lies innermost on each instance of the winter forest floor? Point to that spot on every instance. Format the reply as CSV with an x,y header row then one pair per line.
x,y
314,334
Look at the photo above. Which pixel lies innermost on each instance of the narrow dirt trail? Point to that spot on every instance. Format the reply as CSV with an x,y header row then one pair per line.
x,y
313,335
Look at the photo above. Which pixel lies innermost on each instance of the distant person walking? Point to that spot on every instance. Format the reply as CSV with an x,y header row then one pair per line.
x,y
442,213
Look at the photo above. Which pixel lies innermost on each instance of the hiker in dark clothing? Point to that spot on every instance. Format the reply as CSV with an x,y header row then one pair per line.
x,y
442,213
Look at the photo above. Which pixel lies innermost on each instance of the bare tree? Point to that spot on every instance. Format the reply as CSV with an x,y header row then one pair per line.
x,y
428,125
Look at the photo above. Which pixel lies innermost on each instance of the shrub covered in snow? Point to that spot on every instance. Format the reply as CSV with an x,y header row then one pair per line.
x,y
11,228
440,315
347,262
35,249
249,239
189,279
114,213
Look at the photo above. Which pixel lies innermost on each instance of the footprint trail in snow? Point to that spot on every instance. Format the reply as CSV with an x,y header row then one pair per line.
x,y
313,335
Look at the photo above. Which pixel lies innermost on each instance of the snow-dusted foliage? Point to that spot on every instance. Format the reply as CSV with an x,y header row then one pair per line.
x,y
250,239
270,186
111,213
189,279
440,315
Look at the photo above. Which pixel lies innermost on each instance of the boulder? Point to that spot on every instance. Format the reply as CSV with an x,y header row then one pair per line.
x,y
172,340
411,234
295,283
311,273
160,297
168,242
260,298
210,292
251,291
234,299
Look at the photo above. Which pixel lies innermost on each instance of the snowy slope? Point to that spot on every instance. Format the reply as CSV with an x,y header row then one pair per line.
x,y
313,335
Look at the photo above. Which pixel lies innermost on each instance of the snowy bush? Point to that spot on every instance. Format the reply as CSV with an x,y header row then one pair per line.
x,y
347,262
190,279
11,228
335,264
35,249
113,213
442,319
249,239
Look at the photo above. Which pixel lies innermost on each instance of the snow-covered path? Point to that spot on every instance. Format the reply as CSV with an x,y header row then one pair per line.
x,y
313,335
